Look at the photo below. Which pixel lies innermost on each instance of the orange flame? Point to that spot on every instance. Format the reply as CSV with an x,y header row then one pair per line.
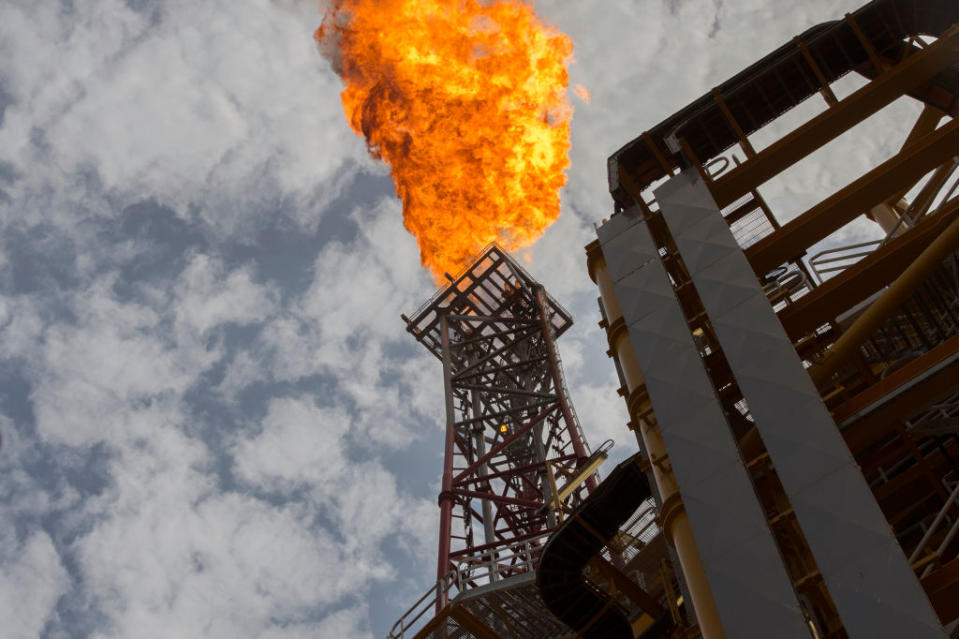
x,y
466,100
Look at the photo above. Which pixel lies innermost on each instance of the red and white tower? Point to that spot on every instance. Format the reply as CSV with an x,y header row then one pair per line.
x,y
512,437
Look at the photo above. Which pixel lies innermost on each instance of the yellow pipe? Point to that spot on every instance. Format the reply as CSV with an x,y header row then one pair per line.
x,y
894,296
706,612
887,217
675,522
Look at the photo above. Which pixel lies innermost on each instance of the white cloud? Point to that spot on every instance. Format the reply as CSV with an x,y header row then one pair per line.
x,y
219,108
303,445
20,325
349,318
242,371
300,442
381,265
349,622
111,376
209,297
238,477
173,555
32,578
229,568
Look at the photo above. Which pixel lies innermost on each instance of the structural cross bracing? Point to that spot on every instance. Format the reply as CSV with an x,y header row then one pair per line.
x,y
510,423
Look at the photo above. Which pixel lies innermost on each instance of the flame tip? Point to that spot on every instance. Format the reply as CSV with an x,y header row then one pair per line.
x,y
468,104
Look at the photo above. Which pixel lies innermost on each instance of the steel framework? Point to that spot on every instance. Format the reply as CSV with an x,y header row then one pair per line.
x,y
874,326
511,428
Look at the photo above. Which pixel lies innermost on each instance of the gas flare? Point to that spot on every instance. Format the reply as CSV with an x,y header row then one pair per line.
x,y
467,102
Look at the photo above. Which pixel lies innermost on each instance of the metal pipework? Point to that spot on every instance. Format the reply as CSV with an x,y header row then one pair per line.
x,y
576,436
676,524
894,296
446,495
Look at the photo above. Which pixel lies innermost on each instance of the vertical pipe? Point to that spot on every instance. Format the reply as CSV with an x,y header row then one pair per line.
x,y
676,524
478,433
446,494
547,481
571,424
888,219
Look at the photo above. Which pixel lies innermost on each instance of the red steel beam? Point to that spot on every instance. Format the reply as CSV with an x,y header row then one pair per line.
x,y
503,444
479,549
513,471
515,501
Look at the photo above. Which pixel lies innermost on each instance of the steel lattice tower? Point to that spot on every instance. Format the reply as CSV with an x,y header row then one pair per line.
x,y
510,423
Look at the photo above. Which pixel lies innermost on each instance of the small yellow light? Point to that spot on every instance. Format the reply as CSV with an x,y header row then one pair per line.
x,y
503,428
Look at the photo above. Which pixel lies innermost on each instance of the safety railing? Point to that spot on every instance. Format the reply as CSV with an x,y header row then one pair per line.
x,y
926,562
827,263
440,291
471,572
486,567
927,318
476,571
920,206
785,286
634,535
418,614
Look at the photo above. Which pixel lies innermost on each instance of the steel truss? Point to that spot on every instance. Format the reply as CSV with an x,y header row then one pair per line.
x,y
509,419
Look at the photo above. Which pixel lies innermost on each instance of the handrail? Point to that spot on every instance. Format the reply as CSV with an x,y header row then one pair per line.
x,y
910,219
816,260
470,569
405,623
786,283
934,527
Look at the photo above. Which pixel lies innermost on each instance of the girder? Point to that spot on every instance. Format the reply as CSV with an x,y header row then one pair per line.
x,y
509,420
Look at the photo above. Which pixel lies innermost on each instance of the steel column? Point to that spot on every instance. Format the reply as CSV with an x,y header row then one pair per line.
x,y
862,565
719,511
446,491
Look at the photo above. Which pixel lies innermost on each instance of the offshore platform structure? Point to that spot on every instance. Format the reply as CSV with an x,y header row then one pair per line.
x,y
514,454
795,400
800,411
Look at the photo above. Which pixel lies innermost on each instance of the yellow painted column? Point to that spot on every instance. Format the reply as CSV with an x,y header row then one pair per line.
x,y
887,217
676,524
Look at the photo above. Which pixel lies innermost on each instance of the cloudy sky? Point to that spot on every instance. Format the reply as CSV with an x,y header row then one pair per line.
x,y
213,421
